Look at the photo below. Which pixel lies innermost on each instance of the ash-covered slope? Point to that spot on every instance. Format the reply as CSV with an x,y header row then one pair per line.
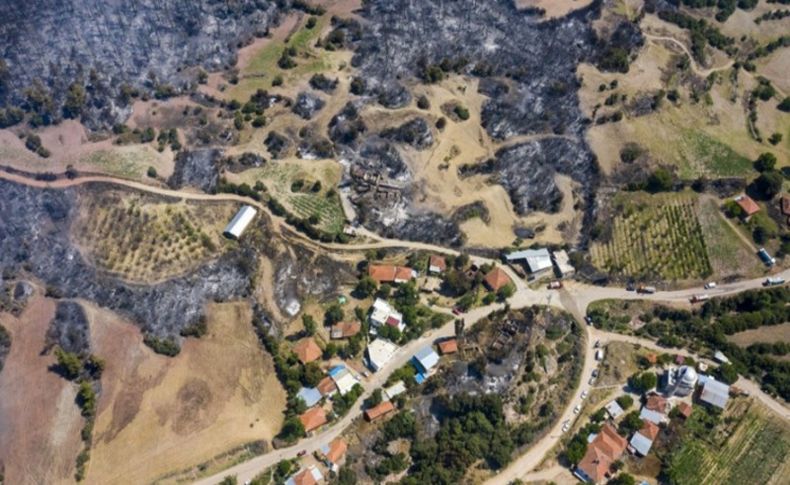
x,y
62,41
528,72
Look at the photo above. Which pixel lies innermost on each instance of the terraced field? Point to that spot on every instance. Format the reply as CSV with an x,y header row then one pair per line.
x,y
656,238
145,240
754,451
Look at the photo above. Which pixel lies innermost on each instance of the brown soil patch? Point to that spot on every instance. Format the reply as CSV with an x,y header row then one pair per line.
x,y
768,334
39,421
220,392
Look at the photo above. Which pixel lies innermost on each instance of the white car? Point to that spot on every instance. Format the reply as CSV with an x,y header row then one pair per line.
x,y
566,427
710,285
577,409
584,394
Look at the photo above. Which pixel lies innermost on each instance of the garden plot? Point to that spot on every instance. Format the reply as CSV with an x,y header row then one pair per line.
x,y
654,237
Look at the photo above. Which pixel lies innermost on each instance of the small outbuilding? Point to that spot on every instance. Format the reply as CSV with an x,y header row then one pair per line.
x,y
239,223
425,359
313,418
496,279
310,396
563,263
643,439
747,205
307,350
449,346
715,393
380,410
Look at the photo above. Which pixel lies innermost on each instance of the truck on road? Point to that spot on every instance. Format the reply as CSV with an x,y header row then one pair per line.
x,y
699,298
775,281
646,289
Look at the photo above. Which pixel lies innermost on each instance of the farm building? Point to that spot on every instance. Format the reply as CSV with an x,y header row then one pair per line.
x,y
537,261
307,350
449,346
313,418
437,264
345,329
563,263
380,352
715,393
308,476
239,223
381,313
643,439
747,205
602,452
382,409
333,453
387,273
496,279
344,379
425,360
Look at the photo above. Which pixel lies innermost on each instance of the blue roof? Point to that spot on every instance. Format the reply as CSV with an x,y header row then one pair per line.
x,y
419,378
310,396
334,371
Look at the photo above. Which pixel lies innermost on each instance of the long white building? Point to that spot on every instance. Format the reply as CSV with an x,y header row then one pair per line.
x,y
240,222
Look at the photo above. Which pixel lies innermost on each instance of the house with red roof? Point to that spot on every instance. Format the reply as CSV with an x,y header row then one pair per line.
x,y
602,452
496,279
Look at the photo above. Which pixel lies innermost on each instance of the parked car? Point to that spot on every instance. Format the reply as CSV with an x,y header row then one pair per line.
x,y
591,381
588,320
301,453
555,285
630,287
457,311
597,344
577,409
710,285
584,394
646,289
566,427
595,373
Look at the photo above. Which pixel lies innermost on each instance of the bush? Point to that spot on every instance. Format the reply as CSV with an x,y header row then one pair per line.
x,y
767,185
630,423
69,363
165,346
461,112
659,181
423,103
277,81
784,105
625,401
151,172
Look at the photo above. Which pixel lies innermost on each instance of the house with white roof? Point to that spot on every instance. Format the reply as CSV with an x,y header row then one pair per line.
x,y
344,379
381,313
394,390
642,440
310,396
379,352
239,223
613,409
563,263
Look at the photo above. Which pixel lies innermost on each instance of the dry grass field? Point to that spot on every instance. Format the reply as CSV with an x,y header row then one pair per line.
x,y
176,413
38,414
142,238
554,8
767,334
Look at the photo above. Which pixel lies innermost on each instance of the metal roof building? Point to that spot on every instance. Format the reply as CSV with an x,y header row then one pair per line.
x,y
310,396
715,393
426,359
537,260
240,221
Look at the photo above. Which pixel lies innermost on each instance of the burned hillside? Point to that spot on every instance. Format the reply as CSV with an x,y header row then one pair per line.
x,y
527,71
34,238
57,61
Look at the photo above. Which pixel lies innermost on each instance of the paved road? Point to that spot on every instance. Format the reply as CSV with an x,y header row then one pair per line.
x,y
575,298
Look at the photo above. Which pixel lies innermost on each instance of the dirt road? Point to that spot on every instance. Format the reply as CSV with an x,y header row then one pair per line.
x,y
575,298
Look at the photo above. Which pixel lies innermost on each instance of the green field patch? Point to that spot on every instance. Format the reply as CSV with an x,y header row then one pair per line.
x,y
654,236
705,154
263,67
755,450
727,252
127,162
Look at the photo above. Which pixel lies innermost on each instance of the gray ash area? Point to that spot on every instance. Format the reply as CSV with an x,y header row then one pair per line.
x,y
34,237
69,328
104,45
527,70
197,168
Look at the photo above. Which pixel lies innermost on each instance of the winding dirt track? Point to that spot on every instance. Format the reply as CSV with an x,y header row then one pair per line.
x,y
574,298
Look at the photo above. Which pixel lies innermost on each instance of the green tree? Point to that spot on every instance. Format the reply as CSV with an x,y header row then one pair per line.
x,y
74,102
643,382
622,479
765,162
659,181
309,324
292,430
69,363
767,185
630,423
333,314
727,373
229,480
151,172
784,105
506,292
576,449
625,401
365,287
